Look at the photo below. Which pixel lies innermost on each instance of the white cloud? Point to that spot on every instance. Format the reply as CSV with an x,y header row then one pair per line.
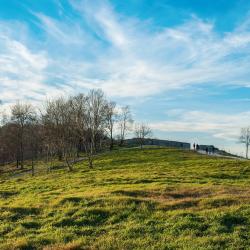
x,y
23,72
143,61
124,56
217,125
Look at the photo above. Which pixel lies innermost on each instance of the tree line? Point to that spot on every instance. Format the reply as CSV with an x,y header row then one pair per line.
x,y
64,128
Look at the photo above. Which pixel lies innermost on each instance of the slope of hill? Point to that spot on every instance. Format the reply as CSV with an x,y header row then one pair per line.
x,y
132,199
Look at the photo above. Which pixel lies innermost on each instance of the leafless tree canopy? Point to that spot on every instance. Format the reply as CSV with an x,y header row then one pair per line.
x,y
245,138
125,123
67,129
142,131
22,116
111,118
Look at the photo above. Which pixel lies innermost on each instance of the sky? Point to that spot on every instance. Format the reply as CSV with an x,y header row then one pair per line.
x,y
183,66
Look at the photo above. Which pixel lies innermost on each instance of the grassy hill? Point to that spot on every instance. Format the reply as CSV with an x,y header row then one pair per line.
x,y
132,199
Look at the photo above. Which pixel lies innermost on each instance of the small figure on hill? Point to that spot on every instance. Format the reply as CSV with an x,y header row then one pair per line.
x,y
206,150
194,146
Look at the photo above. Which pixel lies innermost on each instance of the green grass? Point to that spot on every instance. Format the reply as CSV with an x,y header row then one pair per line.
x,y
132,199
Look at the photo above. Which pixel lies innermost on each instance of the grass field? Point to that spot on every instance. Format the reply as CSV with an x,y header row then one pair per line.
x,y
132,199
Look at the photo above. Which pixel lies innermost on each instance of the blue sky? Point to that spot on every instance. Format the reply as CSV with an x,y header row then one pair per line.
x,y
182,65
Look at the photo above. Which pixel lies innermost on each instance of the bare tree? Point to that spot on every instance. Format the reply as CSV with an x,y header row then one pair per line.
x,y
89,119
59,130
124,123
8,145
94,121
21,115
142,131
245,138
34,140
78,105
66,127
111,118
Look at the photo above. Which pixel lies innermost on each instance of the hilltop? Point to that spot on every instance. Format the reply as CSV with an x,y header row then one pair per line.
x,y
132,199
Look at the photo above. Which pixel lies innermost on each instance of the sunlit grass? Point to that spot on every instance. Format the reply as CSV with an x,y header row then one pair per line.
x,y
132,199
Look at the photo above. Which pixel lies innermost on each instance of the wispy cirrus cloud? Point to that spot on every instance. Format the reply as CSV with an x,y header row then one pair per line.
x,y
133,59
20,69
124,56
24,73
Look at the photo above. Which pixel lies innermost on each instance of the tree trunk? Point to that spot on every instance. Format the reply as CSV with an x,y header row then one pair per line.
x,y
48,163
59,155
111,144
111,140
32,167
91,155
21,148
247,151
141,142
69,165
21,152
88,150
90,159
91,162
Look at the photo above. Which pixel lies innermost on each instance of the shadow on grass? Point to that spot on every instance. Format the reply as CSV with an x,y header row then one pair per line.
x,y
221,202
181,205
72,199
17,213
7,194
223,176
134,193
31,225
189,223
229,221
93,217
